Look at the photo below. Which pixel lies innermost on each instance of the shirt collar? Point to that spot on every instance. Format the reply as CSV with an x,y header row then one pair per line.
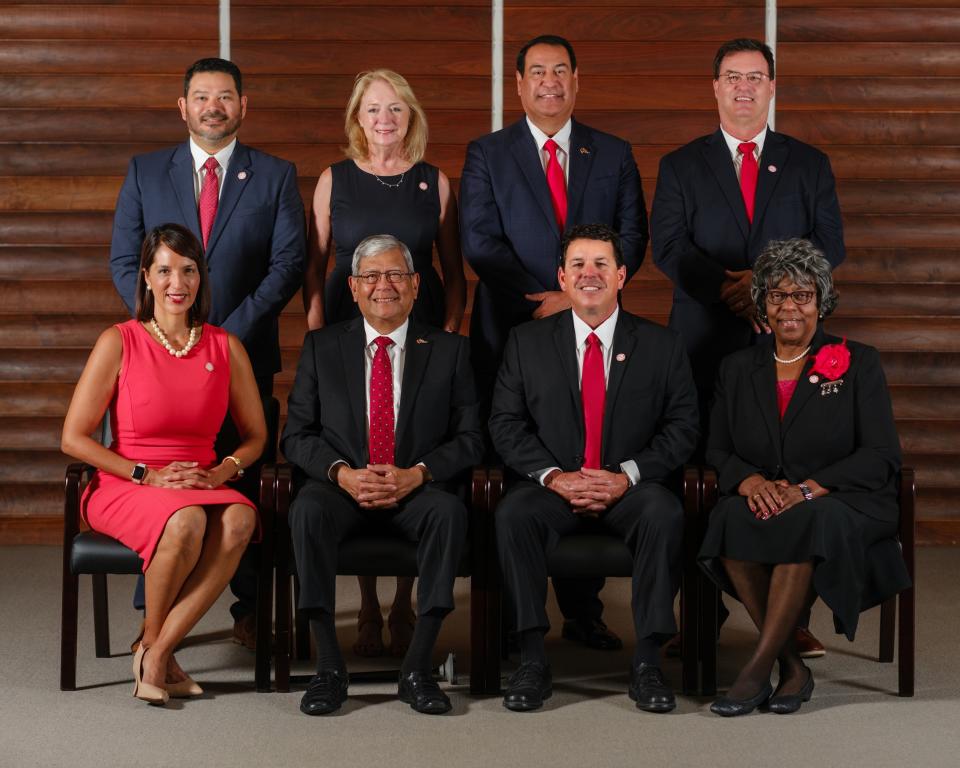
x,y
200,155
398,337
733,143
604,331
561,137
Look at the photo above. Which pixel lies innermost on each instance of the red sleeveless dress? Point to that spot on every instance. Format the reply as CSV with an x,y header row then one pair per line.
x,y
164,409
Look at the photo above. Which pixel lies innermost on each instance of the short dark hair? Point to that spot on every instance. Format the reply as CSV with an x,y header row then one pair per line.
x,y
592,232
743,44
214,65
556,40
184,243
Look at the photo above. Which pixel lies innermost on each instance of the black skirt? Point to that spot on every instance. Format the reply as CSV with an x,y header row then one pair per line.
x,y
857,559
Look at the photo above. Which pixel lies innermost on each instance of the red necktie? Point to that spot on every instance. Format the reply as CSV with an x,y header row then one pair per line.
x,y
748,176
381,405
593,392
557,184
209,195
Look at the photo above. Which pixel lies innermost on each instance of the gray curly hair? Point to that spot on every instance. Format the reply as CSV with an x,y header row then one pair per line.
x,y
800,261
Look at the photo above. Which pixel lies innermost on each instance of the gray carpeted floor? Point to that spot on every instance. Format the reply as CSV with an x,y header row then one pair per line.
x,y
854,719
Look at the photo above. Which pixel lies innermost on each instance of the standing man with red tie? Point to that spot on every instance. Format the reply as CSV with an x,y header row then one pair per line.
x,y
594,407
244,206
720,199
522,187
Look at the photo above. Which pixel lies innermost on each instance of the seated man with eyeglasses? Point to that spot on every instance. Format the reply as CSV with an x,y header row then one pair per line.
x,y
719,201
382,415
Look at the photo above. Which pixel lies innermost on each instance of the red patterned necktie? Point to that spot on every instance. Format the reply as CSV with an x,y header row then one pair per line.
x,y
209,196
593,392
381,405
748,176
557,184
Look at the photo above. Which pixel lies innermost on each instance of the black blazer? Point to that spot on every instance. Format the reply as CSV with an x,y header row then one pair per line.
x,y
509,232
700,228
846,441
438,422
650,412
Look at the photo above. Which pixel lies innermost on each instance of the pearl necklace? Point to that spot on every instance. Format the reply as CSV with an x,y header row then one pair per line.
x,y
792,359
191,341
390,186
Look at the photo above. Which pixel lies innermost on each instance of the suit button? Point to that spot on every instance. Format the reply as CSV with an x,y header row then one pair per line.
x,y
578,460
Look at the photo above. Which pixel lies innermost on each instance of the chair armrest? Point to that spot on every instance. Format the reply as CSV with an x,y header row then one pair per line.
x,y
283,491
73,485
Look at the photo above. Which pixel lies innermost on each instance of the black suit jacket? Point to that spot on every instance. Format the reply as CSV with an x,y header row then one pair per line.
x,y
509,232
438,421
650,412
846,441
700,228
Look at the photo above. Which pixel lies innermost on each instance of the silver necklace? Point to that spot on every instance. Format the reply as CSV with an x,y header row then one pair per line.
x,y
390,186
191,341
792,359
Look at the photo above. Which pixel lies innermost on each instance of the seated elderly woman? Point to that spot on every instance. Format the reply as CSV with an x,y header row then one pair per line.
x,y
168,378
806,451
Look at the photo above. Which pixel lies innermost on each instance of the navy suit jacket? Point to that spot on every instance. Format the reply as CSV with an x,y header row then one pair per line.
x,y
650,409
842,436
509,232
256,251
700,228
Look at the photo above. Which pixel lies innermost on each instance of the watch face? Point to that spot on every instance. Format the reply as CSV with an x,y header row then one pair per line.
x,y
139,472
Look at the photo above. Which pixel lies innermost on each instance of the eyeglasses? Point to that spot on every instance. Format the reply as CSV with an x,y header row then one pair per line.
x,y
754,78
797,297
393,276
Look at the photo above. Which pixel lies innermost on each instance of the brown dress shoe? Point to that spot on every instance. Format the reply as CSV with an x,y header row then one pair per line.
x,y
808,647
245,632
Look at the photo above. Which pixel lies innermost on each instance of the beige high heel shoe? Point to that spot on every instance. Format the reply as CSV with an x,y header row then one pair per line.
x,y
185,689
151,694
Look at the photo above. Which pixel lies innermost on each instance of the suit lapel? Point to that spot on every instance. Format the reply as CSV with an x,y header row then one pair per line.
x,y
717,155
527,156
580,163
352,344
765,392
416,358
566,343
182,180
233,187
775,151
624,347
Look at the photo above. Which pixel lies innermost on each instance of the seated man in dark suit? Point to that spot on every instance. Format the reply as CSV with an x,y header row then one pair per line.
x,y
382,413
594,408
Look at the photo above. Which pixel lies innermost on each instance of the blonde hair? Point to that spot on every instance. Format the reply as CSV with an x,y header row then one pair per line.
x,y
414,143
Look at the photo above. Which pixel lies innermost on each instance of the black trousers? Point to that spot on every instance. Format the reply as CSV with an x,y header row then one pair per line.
x,y
531,519
322,515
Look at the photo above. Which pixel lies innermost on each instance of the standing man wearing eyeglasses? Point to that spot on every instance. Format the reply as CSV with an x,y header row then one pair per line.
x,y
720,199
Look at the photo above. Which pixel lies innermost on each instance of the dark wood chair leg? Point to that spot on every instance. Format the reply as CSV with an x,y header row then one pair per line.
x,y
709,596
265,580
690,586
484,617
68,628
907,599
888,611
101,616
281,543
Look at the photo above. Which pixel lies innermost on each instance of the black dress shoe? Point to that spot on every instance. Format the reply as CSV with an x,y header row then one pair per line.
x,y
650,690
787,704
593,634
528,687
325,692
727,707
421,692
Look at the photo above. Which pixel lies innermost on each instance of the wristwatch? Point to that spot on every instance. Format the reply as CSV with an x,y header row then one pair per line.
x,y
805,490
139,473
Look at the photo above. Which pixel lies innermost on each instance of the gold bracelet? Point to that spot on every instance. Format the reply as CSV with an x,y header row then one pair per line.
x,y
239,464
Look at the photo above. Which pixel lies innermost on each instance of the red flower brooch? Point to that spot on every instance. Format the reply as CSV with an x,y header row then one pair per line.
x,y
831,361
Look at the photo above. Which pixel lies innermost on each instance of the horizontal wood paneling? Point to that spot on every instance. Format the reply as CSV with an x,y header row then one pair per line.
x,y
586,21
855,93
866,127
39,262
863,25
97,22
869,59
27,228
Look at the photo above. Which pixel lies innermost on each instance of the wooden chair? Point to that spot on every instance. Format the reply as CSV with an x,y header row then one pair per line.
x,y
594,555
392,556
89,552
888,610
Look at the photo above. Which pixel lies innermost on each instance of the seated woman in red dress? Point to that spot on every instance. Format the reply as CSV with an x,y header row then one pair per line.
x,y
168,379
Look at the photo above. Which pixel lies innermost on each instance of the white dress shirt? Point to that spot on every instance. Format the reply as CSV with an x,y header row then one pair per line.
x,y
733,143
200,156
562,140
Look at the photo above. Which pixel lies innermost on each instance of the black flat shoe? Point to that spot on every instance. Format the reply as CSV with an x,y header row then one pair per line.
x,y
325,692
593,634
421,692
528,687
650,690
727,707
790,703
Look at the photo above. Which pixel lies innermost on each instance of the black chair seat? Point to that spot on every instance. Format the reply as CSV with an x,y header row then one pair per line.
x,y
378,555
590,555
94,552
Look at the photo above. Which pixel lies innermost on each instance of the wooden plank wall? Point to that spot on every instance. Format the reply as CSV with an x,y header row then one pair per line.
x,y
876,84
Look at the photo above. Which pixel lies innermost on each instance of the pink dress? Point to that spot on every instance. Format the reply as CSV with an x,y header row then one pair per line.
x,y
164,409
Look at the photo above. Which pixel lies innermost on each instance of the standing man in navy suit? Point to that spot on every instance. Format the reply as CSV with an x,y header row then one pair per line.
x,y
245,208
521,188
720,199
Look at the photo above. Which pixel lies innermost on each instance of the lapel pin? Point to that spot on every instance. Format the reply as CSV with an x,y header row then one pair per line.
x,y
814,379
621,357
772,168
584,151
422,341
209,366
242,175
424,186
